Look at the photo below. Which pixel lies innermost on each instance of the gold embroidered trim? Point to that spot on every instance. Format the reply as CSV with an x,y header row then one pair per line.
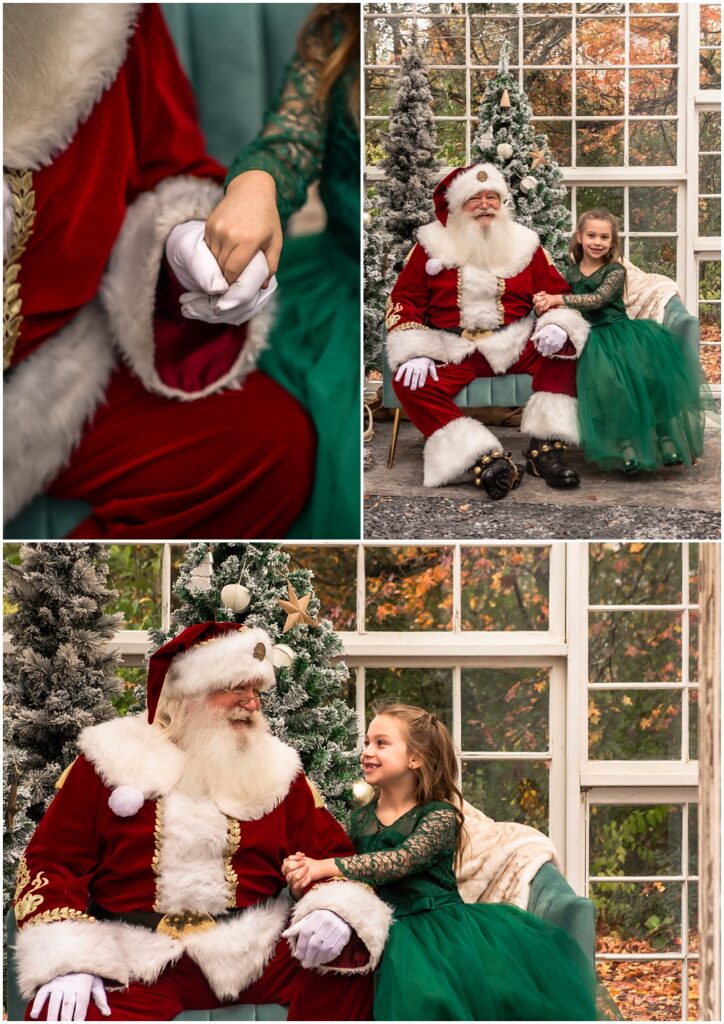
x,y
392,313
499,301
318,798
233,842
409,255
27,904
60,914
20,184
157,839
412,326
459,276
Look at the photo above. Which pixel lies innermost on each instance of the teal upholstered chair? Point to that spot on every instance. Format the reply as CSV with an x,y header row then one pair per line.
x,y
235,55
512,390
551,898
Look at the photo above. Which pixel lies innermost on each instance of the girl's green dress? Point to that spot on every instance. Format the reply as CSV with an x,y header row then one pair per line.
x,y
637,382
450,960
314,346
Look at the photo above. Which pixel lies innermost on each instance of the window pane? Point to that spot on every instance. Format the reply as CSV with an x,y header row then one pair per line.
x,y
652,143
379,91
637,917
654,255
505,709
559,139
600,41
694,626
430,688
638,725
386,39
373,141
134,570
600,93
653,91
634,573
710,69
509,790
487,36
132,697
549,92
693,968
653,40
335,579
451,140
652,208
645,990
546,40
710,131
448,92
632,840
408,588
504,588
693,839
599,143
639,647
693,573
589,197
710,217
693,724
694,917
710,25
443,40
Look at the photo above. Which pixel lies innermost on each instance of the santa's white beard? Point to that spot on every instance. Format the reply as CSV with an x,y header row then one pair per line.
x,y
217,752
482,246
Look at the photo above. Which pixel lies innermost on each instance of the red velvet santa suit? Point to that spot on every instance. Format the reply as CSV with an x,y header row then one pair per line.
x,y
179,852
103,157
478,322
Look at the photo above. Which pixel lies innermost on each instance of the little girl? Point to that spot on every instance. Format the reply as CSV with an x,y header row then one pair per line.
x,y
444,959
640,389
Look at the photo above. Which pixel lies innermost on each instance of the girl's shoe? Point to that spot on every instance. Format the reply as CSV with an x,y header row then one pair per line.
x,y
669,454
629,462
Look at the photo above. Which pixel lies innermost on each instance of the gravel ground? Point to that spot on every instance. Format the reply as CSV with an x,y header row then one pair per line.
x,y
424,518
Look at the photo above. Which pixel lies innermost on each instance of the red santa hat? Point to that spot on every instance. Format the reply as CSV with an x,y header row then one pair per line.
x,y
463,183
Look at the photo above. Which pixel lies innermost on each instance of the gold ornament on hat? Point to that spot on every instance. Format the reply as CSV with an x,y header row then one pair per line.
x,y
482,176
296,609
260,652
539,157
505,99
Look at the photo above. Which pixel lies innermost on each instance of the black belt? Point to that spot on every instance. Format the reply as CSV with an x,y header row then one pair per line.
x,y
175,925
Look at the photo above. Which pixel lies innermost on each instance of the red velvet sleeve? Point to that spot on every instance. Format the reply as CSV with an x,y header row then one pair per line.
x,y
410,296
545,276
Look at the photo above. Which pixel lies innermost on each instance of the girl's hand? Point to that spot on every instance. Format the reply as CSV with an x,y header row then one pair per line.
x,y
541,302
245,222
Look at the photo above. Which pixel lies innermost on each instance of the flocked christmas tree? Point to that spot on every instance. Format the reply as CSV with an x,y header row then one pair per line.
x,y
248,583
507,138
59,677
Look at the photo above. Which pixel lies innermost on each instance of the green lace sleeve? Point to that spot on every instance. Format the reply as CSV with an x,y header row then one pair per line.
x,y
434,834
610,287
290,146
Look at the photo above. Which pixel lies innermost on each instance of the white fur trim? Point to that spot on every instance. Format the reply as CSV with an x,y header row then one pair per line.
x,y
221,662
129,287
48,399
478,298
439,242
503,347
571,321
58,59
468,184
433,267
547,416
417,341
356,904
190,873
454,448
125,801
234,954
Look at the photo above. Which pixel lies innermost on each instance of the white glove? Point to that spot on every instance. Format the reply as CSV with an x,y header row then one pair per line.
x,y
239,301
551,339
69,997
415,372
191,259
322,935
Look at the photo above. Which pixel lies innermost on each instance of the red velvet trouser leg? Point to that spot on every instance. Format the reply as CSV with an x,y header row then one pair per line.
x,y
233,464
309,995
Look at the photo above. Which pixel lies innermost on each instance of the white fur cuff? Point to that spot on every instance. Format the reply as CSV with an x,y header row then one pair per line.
x,y
547,415
404,344
454,448
571,321
356,904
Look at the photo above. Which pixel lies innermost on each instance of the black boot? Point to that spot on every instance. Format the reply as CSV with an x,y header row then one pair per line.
x,y
497,473
545,459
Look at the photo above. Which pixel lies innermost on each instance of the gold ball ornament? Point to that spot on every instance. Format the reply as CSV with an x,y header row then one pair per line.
x,y
235,596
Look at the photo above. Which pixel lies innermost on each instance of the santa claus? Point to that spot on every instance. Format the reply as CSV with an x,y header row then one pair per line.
x,y
153,884
124,346
462,308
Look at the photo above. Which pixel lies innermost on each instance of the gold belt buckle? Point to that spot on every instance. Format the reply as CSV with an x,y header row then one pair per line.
x,y
188,921
475,335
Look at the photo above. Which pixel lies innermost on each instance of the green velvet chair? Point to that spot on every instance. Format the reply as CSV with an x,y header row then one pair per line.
x,y
551,898
513,390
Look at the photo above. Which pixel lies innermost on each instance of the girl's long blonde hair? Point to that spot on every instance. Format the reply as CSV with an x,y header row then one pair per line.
x,y
330,38
429,742
575,249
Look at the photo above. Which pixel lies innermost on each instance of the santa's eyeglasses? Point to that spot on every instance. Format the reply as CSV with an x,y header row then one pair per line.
x,y
484,197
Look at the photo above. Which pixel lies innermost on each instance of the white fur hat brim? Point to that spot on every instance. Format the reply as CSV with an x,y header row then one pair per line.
x,y
223,662
470,182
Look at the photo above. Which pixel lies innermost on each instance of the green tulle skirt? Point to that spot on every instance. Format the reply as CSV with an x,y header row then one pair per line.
x,y
637,382
314,353
482,962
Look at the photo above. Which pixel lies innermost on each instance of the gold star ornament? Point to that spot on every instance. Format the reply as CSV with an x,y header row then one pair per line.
x,y
538,158
296,609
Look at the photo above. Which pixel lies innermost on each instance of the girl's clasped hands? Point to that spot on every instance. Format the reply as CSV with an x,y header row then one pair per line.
x,y
543,301
301,871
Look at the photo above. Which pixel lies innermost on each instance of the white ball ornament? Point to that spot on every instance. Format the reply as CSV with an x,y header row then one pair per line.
x,y
282,656
433,266
504,150
125,801
528,183
235,596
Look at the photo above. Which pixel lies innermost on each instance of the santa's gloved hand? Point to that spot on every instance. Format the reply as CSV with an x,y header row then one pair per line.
x,y
239,302
68,997
551,339
322,935
415,372
192,261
